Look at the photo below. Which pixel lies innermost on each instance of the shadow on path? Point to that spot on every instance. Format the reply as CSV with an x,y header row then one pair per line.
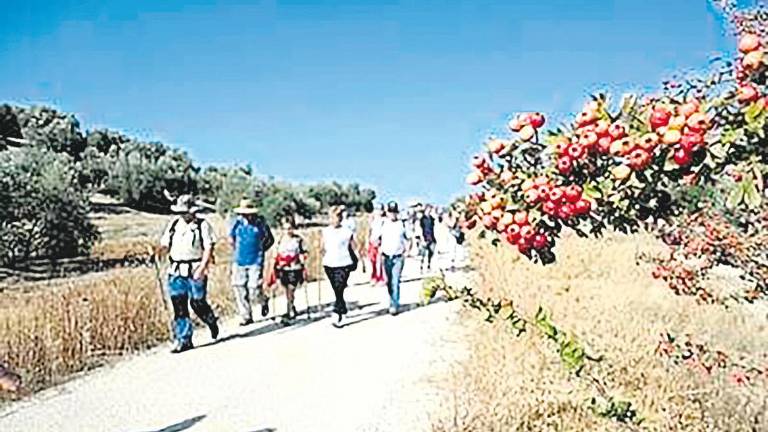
x,y
303,320
357,319
181,426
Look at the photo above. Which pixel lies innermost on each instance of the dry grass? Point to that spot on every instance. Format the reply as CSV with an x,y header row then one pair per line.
x,y
613,306
49,331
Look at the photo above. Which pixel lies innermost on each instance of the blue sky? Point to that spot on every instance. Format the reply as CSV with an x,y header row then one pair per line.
x,y
393,94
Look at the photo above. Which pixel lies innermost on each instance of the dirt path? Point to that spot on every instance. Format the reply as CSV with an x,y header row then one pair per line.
x,y
373,374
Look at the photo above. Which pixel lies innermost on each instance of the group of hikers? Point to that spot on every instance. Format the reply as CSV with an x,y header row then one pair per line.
x,y
189,241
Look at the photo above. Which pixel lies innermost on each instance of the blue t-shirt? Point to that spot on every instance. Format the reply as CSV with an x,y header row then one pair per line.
x,y
249,240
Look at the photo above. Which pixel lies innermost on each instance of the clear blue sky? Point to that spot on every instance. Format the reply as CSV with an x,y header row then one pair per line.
x,y
393,94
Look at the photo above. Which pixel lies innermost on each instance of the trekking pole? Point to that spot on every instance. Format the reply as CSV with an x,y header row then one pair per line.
x,y
160,289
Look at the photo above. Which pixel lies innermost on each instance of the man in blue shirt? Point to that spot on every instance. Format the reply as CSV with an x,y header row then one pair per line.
x,y
251,238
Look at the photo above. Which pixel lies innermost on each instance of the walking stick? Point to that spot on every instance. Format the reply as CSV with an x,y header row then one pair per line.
x,y
160,289
306,298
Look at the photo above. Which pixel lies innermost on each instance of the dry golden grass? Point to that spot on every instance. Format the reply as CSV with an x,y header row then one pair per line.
x,y
51,330
597,292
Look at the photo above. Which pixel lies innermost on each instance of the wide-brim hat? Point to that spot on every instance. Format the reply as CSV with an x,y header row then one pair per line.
x,y
185,204
246,206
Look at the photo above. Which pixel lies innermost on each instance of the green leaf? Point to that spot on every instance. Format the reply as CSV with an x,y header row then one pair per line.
x,y
735,197
718,150
752,197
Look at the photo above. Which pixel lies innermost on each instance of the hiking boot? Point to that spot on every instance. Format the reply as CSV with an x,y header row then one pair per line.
x,y
247,322
339,319
214,328
264,310
180,347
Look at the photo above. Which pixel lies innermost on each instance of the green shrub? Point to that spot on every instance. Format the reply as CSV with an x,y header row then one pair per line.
x,y
45,208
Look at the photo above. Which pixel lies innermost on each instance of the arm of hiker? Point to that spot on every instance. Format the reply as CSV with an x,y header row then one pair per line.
x,y
209,242
269,238
161,249
233,233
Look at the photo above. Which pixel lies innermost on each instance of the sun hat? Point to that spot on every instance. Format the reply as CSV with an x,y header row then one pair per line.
x,y
185,204
247,206
392,207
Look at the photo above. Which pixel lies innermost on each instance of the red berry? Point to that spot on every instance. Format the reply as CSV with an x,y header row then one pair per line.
x,y
540,241
660,117
691,141
604,145
617,131
565,164
536,120
513,233
566,211
572,193
527,232
556,195
523,246
489,222
531,196
582,206
549,208
521,218
683,157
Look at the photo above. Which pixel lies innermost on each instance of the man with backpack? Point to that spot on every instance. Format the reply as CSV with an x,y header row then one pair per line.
x,y
189,242
251,237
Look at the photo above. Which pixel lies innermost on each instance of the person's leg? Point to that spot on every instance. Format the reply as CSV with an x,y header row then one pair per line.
x,y
288,282
201,307
178,291
372,252
242,297
343,279
397,270
388,274
430,254
256,287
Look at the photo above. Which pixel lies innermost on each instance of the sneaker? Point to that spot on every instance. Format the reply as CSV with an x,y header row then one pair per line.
x,y
247,322
264,309
180,347
393,310
339,319
214,328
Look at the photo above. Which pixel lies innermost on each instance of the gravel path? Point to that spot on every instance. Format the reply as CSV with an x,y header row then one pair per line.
x,y
372,375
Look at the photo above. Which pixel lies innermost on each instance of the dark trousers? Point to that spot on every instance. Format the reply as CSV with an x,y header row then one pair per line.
x,y
338,277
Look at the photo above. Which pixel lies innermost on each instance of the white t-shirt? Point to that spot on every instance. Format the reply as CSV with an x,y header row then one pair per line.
x,y
393,237
376,223
189,240
336,245
350,224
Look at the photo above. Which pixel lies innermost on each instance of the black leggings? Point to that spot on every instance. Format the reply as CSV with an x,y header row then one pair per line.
x,y
338,277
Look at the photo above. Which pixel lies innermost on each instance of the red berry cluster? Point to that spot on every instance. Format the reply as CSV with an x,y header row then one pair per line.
x,y
563,202
752,60
701,359
527,124
683,127
482,168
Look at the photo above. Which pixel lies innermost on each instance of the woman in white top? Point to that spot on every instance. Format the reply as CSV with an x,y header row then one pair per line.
x,y
338,259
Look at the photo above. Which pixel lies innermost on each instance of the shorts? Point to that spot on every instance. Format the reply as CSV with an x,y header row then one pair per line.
x,y
250,276
292,278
